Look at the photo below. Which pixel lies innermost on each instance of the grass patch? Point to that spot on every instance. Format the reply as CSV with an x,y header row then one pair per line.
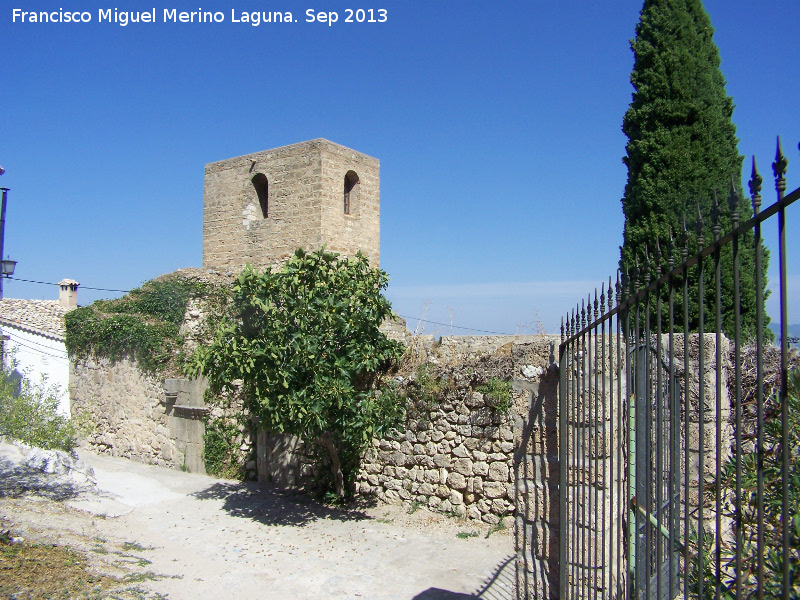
x,y
44,571
464,535
128,546
499,526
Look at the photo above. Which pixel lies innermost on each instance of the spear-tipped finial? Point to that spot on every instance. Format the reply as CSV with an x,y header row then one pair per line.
x,y
684,240
755,187
657,258
779,169
583,315
625,283
733,203
603,298
635,281
699,227
595,304
611,292
716,214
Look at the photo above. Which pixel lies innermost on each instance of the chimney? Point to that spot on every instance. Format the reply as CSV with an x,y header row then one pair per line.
x,y
68,293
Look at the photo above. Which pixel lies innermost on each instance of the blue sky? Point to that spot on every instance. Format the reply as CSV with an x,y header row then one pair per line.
x,y
497,126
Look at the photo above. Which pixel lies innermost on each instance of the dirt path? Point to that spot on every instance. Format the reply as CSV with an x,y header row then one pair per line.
x,y
191,536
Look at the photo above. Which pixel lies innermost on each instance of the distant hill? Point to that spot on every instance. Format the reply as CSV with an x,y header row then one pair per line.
x,y
793,330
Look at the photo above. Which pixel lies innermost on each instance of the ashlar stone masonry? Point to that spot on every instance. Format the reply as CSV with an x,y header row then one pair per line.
x,y
259,208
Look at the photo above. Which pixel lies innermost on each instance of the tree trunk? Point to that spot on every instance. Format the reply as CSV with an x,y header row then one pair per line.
x,y
336,465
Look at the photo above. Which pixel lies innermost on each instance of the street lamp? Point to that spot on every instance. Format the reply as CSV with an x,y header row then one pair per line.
x,y
6,271
6,266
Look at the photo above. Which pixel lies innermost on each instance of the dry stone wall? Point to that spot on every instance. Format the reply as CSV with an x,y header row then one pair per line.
x,y
459,453
457,458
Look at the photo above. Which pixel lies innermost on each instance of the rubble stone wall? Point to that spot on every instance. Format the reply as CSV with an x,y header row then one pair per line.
x,y
125,412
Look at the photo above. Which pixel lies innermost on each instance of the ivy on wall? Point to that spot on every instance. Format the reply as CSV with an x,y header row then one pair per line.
x,y
144,324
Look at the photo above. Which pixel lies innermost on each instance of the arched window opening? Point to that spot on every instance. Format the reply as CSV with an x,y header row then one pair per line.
x,y
262,189
350,181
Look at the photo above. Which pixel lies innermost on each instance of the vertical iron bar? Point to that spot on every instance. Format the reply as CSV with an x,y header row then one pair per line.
x,y
737,367
585,456
686,411
718,391
563,404
598,506
702,409
646,404
755,187
659,481
629,417
674,416
609,437
575,461
779,168
591,463
622,585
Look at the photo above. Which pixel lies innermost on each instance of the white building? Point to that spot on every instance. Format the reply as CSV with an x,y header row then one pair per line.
x,y
34,332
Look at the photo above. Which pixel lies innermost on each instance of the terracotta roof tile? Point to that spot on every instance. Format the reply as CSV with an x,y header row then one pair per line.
x,y
45,317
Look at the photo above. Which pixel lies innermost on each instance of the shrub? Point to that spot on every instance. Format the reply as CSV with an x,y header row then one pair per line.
x,y
143,324
28,413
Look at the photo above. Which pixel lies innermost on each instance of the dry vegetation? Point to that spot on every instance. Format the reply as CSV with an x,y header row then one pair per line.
x,y
36,562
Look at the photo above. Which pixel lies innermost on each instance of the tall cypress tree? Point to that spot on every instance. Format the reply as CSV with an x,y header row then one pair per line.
x,y
682,146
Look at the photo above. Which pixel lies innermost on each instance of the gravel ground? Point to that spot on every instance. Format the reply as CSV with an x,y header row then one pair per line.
x,y
192,536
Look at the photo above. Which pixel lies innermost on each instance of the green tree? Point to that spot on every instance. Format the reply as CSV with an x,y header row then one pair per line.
x,y
682,146
29,412
304,341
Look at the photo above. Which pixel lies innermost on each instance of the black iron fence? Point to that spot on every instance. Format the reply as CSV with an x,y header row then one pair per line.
x,y
676,478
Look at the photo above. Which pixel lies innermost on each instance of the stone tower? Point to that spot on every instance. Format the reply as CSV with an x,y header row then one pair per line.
x,y
261,207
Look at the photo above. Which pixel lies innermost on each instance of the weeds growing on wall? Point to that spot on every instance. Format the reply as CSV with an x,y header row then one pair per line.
x,y
497,393
426,390
221,448
28,413
143,324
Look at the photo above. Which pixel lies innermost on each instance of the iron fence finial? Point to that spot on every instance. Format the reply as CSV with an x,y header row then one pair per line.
x,y
684,240
699,228
626,282
755,187
657,258
646,268
779,169
716,225
572,324
595,304
733,203
583,314
602,298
